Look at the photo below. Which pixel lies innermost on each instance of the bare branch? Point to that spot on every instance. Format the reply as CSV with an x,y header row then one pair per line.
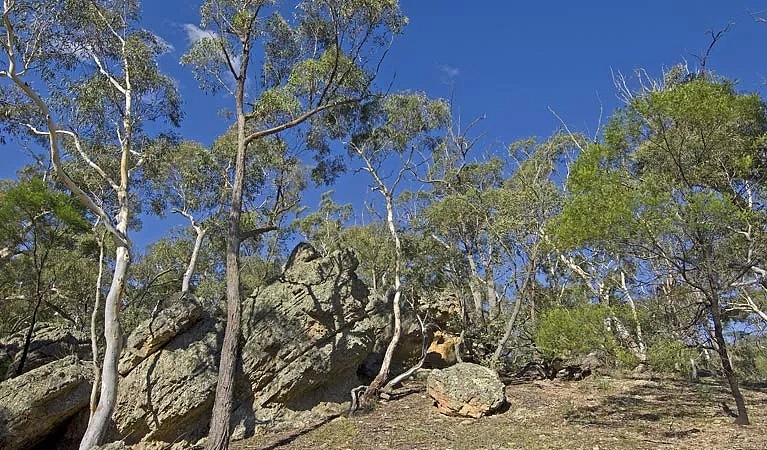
x,y
567,129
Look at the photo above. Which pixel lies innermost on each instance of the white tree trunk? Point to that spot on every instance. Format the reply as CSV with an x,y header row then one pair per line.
x,y
99,421
640,350
476,288
383,374
190,268
94,335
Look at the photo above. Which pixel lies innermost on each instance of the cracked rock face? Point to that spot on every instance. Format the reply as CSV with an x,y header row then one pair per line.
x,y
303,337
467,390
50,342
306,331
168,396
40,401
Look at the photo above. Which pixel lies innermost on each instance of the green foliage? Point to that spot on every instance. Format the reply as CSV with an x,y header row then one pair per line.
x,y
569,333
671,356
750,358
323,228
684,152
375,251
44,255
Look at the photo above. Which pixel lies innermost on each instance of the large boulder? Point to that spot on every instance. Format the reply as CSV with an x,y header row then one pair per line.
x,y
151,335
303,337
467,390
50,342
169,395
41,401
306,334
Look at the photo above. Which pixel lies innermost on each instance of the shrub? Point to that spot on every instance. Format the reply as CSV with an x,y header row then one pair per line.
x,y
671,356
572,332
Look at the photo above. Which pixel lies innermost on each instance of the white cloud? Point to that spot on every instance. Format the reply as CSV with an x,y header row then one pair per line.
x,y
195,33
449,71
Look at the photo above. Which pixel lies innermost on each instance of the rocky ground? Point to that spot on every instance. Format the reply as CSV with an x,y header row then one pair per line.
x,y
598,413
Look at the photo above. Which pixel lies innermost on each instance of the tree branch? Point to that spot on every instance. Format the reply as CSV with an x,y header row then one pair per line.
x,y
297,121
257,232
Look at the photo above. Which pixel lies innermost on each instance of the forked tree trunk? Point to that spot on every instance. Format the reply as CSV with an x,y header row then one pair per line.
x,y
100,419
383,374
510,324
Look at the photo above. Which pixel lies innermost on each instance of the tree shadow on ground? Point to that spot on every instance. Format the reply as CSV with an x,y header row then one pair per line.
x,y
650,402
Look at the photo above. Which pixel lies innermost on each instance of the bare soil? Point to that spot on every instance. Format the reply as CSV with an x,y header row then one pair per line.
x,y
597,413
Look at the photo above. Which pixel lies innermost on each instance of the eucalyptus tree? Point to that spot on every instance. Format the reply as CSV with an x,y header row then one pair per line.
x,y
391,135
82,78
316,66
529,200
493,214
676,184
461,216
323,228
186,180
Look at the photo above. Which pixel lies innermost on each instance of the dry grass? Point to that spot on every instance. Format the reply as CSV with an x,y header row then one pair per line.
x,y
598,413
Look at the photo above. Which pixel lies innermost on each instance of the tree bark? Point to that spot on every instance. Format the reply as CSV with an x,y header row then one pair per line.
x,y
729,372
99,421
476,289
190,268
640,349
509,328
219,433
94,336
28,338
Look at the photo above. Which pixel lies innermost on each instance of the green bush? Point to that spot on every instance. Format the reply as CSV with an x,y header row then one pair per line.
x,y
670,356
750,360
572,332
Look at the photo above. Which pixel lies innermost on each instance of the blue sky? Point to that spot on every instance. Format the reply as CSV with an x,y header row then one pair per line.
x,y
510,61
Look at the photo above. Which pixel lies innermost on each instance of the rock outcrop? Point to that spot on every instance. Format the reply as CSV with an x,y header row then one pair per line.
x,y
303,337
39,402
442,350
168,396
151,335
50,342
306,332
467,390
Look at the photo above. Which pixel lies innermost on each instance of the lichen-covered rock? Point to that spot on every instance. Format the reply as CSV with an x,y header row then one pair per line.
x,y
467,390
152,334
169,395
50,342
38,402
303,337
307,332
